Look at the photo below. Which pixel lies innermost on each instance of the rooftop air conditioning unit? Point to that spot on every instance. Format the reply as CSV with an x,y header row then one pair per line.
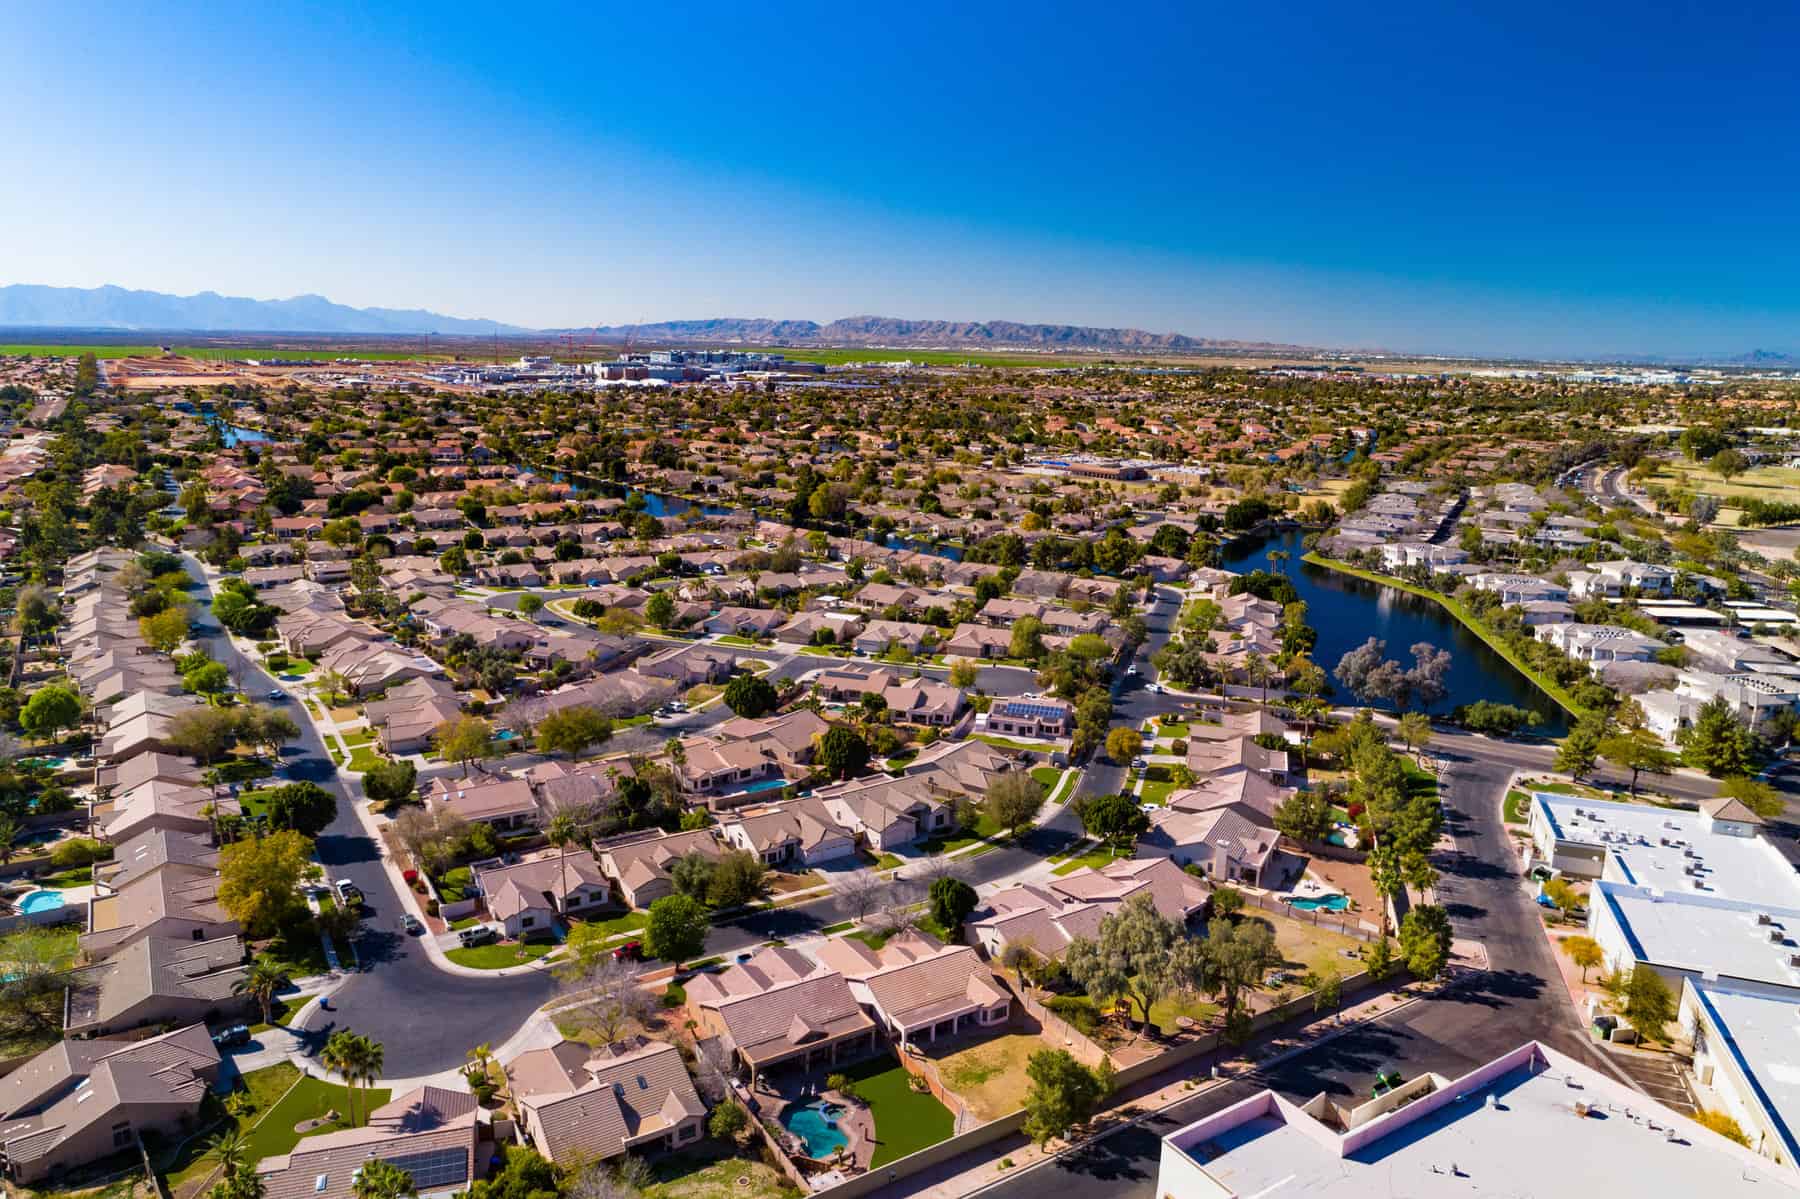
x,y
1764,918
1777,936
1793,961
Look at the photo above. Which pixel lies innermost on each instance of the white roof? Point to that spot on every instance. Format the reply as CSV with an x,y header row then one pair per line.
x,y
1526,1141
1704,935
1759,1032
1747,869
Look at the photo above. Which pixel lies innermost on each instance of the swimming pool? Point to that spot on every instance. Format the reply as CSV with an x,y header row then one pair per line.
x,y
40,901
1331,903
816,1124
762,785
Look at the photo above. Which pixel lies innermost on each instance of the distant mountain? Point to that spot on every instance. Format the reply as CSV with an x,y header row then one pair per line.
x,y
899,333
24,304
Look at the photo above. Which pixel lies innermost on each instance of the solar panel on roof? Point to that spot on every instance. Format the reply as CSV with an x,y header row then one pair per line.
x,y
435,1168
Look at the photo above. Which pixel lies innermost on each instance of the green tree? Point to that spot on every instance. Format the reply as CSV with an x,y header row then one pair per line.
x,y
738,878
573,730
391,782
1578,752
1425,940
530,604
1729,464
1027,639
1649,1003
750,695
259,881
1718,742
1063,1094
378,1179
261,983
464,740
1116,820
306,808
205,733
207,678
676,929
1414,729
659,609
842,752
1123,744
1129,958
951,902
963,673
165,630
1585,952
1012,802
1640,751
50,709
1754,794
1304,816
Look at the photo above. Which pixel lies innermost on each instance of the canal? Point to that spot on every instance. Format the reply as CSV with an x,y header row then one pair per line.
x,y
1348,611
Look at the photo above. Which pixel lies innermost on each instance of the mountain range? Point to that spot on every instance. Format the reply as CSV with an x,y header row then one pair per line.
x,y
898,332
24,305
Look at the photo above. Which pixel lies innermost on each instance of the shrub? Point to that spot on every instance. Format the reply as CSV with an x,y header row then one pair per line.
x,y
1077,1010
1178,747
674,996
78,851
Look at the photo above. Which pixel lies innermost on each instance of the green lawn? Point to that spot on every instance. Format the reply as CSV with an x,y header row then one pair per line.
x,y
1172,731
499,957
888,861
1047,777
906,1120
711,1171
309,1099
453,885
1156,793
365,758
628,922
733,639
1007,743
1095,858
356,737
1166,1011
1516,804
946,844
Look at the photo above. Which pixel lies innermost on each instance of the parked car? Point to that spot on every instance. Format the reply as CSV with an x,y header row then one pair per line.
x,y
412,924
631,951
347,891
479,934
277,696
237,1034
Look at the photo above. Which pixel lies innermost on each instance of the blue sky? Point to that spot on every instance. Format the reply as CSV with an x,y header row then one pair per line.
x,y
1563,179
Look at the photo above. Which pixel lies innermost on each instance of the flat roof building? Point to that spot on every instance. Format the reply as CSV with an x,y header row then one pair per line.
x,y
1532,1122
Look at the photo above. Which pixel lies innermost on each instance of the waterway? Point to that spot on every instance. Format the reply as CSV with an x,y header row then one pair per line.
x,y
1348,611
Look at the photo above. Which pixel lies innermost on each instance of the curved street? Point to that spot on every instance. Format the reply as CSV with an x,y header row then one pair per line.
x,y
426,1019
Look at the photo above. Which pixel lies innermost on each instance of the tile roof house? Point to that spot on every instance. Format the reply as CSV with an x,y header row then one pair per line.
x,y
779,1008
504,803
177,903
430,1132
581,1105
157,981
639,862
1047,916
82,1100
1229,843
918,988
527,897
803,831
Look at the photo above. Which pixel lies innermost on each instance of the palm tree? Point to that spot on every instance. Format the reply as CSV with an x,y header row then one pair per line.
x,y
229,1148
479,1057
1257,667
339,1056
563,830
376,1179
261,982
369,1061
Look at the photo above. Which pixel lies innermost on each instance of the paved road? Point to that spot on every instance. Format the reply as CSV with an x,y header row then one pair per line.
x,y
1484,1015
425,1019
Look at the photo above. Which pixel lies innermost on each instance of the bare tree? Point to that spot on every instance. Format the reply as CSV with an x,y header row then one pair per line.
x,y
712,1069
862,891
601,1180
617,999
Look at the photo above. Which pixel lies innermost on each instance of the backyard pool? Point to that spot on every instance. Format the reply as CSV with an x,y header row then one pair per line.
x,y
761,785
1330,903
40,901
816,1124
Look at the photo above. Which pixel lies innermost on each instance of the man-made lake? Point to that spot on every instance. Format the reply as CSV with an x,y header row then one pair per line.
x,y
1348,611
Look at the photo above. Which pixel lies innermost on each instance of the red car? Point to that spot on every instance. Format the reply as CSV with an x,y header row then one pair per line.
x,y
631,951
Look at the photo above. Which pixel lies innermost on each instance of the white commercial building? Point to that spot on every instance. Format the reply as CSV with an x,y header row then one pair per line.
x,y
1533,1122
1744,1060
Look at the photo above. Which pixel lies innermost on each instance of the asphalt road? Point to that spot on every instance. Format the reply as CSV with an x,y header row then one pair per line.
x,y
425,1019
1480,1017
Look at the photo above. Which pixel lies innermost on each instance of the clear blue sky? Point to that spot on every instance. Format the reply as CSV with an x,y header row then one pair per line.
x,y
1572,178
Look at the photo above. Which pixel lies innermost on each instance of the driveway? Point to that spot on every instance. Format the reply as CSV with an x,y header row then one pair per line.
x,y
425,1019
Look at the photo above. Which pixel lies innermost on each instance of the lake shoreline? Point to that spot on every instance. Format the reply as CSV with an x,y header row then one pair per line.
x,y
1457,610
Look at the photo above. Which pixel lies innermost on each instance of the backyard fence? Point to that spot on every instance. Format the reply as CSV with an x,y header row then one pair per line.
x,y
1318,917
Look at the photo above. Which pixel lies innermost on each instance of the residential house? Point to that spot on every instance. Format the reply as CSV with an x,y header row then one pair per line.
x,y
581,1105
802,832
918,988
527,898
505,804
157,981
430,1132
782,1009
638,863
